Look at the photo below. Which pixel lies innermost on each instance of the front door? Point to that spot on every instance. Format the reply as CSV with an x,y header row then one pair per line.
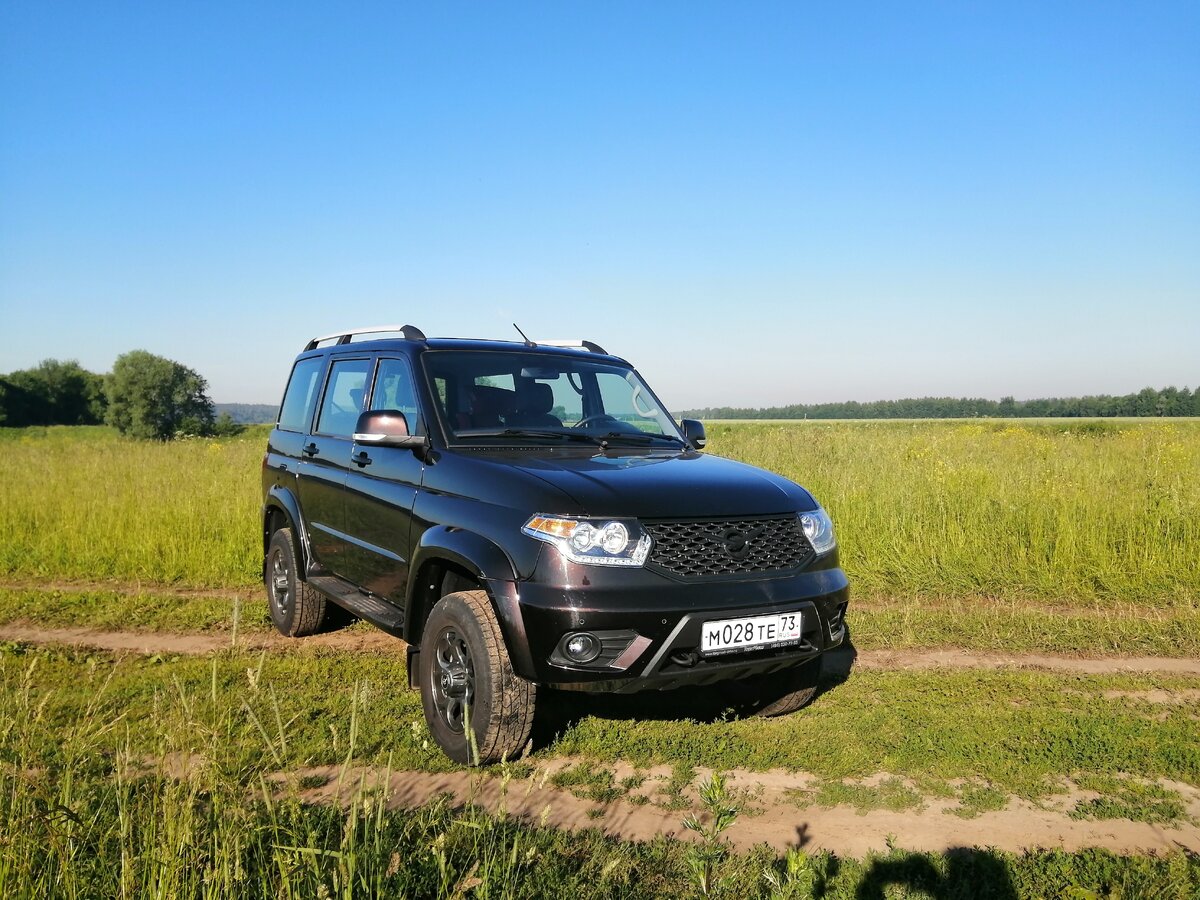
x,y
326,459
381,489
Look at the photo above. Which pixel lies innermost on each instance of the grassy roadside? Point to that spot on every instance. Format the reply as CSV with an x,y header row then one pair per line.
x,y
140,610
1013,626
142,777
969,624
1021,732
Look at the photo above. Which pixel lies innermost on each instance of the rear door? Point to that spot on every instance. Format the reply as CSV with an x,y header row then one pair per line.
x,y
290,434
325,459
381,489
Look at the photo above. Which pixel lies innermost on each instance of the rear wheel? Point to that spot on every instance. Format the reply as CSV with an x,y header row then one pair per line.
x,y
296,609
777,693
478,710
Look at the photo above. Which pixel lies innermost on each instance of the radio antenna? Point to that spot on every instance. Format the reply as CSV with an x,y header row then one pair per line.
x,y
528,342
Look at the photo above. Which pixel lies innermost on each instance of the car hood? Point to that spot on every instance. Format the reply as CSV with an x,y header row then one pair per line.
x,y
667,486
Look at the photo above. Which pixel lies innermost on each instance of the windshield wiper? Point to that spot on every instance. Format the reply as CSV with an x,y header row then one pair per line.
x,y
600,440
645,437
533,432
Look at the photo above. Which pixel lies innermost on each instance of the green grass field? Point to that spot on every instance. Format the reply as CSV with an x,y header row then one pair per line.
x,y
147,777
1064,513
1059,725
1010,536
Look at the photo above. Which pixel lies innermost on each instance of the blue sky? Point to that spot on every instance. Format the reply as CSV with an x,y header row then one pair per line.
x,y
755,203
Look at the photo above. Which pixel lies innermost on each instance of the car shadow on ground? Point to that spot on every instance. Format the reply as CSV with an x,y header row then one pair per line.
x,y
969,872
560,710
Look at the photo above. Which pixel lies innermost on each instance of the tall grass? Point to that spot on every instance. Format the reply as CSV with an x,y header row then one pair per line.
x,y
1023,732
88,809
1089,512
83,814
84,504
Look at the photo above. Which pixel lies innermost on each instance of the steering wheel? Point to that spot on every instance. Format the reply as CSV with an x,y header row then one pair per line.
x,y
595,417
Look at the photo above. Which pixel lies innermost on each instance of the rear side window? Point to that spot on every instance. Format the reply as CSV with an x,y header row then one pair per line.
x,y
301,395
344,397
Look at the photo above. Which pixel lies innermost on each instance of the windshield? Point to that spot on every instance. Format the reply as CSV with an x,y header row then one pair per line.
x,y
509,395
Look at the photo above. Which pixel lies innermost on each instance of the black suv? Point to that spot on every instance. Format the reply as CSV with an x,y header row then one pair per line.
x,y
529,516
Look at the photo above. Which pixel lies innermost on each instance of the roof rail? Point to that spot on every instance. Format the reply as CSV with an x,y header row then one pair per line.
x,y
583,345
410,333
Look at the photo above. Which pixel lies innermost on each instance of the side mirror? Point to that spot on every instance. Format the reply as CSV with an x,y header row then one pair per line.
x,y
385,428
693,430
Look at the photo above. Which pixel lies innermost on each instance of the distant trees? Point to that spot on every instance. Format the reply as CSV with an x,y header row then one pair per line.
x,y
225,426
52,393
153,397
248,413
1169,401
144,396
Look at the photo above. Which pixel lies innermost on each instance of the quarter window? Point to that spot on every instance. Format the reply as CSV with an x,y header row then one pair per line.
x,y
300,398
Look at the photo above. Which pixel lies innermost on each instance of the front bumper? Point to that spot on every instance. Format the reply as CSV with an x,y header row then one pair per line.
x,y
656,622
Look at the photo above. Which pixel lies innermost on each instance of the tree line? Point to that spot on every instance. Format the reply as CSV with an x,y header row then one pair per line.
x,y
144,396
1169,401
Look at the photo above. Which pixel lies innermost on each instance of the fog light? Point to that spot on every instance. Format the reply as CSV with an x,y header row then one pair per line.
x,y
581,648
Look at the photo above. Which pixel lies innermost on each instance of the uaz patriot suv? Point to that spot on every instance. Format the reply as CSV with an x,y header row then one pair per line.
x,y
529,516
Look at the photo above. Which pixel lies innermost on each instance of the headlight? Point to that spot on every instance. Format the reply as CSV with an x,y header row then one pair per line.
x,y
593,542
818,528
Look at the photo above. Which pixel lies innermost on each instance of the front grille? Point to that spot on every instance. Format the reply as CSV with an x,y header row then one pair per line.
x,y
710,548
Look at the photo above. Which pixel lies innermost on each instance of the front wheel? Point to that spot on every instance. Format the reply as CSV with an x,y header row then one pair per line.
x,y
479,711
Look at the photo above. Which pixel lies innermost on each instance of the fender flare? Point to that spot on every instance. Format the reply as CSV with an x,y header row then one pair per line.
x,y
285,500
488,563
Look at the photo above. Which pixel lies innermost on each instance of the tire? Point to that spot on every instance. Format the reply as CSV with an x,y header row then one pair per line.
x,y
777,693
297,609
465,665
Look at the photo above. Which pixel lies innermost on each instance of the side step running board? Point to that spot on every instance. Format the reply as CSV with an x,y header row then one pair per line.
x,y
380,612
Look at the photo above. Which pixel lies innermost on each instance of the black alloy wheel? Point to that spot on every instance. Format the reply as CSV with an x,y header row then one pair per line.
x,y
478,709
279,582
454,689
297,610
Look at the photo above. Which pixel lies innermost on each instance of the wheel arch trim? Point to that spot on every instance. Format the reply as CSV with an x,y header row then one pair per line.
x,y
283,500
490,566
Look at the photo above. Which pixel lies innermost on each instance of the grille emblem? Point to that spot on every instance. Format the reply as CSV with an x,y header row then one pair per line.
x,y
737,542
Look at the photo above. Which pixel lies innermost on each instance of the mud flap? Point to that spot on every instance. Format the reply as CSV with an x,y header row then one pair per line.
x,y
414,673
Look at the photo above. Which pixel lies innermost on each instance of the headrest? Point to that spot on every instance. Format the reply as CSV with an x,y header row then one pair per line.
x,y
535,397
491,401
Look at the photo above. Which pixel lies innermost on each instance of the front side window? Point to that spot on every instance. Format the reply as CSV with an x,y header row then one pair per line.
x,y
300,398
513,395
394,390
344,397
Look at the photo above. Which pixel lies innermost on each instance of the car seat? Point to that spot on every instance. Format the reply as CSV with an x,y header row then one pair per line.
x,y
534,402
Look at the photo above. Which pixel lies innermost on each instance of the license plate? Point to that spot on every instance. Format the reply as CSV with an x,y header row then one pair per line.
x,y
728,635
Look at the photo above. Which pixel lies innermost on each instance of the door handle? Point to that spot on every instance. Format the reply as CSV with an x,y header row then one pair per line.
x,y
311,449
361,459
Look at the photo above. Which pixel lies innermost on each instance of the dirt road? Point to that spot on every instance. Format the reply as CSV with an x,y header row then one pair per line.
x,y
360,639
777,810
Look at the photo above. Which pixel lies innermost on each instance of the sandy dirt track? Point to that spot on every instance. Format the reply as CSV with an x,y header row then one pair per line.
x,y
773,814
777,812
357,639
